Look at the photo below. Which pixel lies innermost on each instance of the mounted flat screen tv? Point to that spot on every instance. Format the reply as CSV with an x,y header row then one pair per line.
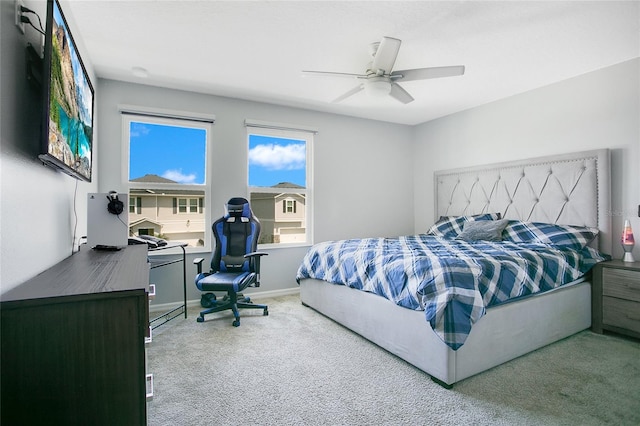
x,y
67,119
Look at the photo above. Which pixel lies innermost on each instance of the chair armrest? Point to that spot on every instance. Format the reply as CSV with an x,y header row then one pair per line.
x,y
198,262
256,254
255,258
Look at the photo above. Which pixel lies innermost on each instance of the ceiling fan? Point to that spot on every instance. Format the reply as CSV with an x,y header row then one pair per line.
x,y
380,80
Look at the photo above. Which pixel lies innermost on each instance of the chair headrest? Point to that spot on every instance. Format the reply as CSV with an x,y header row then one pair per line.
x,y
238,207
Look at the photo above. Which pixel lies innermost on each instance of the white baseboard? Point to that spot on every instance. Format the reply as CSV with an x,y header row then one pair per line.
x,y
255,295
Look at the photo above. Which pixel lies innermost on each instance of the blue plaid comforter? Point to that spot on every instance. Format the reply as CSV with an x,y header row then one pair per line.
x,y
453,281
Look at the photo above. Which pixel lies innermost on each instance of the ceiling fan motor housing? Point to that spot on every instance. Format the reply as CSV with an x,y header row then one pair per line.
x,y
377,86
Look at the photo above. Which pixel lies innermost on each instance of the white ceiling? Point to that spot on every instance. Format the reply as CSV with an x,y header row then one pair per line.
x,y
257,50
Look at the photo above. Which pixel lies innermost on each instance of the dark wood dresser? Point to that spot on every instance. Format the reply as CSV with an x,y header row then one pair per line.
x,y
73,342
616,297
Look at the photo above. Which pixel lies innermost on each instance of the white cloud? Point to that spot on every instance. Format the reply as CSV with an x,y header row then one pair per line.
x,y
138,129
278,157
178,176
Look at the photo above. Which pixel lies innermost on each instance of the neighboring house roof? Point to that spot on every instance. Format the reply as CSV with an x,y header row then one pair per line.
x,y
288,195
166,192
152,179
145,220
286,185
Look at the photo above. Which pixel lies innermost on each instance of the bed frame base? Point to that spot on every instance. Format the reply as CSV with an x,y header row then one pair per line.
x,y
406,333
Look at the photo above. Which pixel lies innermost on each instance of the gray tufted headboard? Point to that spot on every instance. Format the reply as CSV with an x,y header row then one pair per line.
x,y
568,189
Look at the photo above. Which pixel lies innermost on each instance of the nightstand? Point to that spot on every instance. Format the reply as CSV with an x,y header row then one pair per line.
x,y
615,298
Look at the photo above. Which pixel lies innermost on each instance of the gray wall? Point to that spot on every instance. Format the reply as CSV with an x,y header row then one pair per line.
x,y
600,109
40,208
362,185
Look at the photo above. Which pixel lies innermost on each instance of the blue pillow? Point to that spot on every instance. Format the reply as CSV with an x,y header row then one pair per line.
x,y
451,227
569,236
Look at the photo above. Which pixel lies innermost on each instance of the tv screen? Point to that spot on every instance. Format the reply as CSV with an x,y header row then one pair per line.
x,y
67,123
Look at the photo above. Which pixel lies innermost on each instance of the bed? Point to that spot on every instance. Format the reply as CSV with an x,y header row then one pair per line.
x,y
570,189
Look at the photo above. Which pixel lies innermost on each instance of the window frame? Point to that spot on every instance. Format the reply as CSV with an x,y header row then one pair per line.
x,y
177,119
292,134
182,205
289,206
188,205
135,207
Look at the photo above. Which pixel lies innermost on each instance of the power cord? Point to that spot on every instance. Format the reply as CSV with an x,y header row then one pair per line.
x,y
123,222
26,19
75,223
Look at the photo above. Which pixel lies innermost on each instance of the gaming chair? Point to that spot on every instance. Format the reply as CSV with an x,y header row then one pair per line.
x,y
235,263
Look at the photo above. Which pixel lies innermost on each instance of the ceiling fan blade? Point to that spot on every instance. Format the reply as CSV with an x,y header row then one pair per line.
x,y
400,94
351,92
425,73
386,55
332,74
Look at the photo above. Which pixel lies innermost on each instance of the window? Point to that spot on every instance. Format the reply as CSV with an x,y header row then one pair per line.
x,y
188,205
167,176
289,206
279,184
135,204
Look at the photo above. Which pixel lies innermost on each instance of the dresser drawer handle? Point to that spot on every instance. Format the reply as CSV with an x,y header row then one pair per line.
x,y
149,394
150,338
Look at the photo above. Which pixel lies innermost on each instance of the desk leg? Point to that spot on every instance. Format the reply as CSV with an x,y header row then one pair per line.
x,y
184,279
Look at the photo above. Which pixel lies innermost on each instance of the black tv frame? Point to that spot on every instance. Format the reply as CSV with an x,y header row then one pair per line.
x,y
74,166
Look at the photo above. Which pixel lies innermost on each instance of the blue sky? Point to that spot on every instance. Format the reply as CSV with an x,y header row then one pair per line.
x,y
275,160
178,153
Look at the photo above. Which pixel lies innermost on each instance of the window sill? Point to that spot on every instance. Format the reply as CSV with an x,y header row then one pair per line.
x,y
283,246
174,250
205,251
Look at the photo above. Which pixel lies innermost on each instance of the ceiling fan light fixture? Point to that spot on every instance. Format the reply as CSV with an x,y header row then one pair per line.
x,y
377,87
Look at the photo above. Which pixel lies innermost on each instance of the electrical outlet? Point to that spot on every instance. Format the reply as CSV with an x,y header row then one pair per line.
x,y
19,22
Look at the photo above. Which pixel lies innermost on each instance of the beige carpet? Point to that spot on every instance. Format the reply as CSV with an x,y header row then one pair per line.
x,y
296,367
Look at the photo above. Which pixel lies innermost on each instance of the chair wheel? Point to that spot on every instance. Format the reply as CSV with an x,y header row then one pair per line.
x,y
236,323
200,319
265,313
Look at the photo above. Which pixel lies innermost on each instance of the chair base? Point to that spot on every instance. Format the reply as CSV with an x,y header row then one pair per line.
x,y
231,301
